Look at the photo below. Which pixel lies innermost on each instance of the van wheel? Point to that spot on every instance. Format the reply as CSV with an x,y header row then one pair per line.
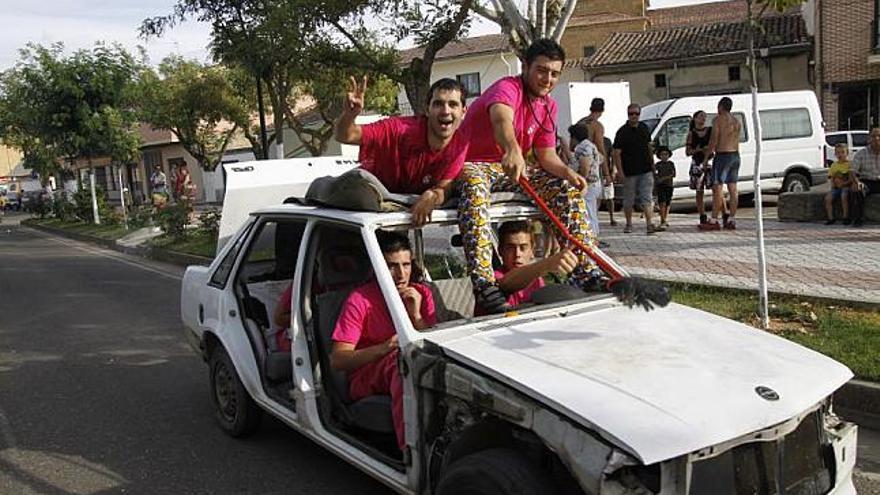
x,y
236,412
494,471
795,182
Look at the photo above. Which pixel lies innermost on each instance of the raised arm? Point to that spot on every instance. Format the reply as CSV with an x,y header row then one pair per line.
x,y
345,130
519,278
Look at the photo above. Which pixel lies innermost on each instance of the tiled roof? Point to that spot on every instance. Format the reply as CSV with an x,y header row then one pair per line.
x,y
704,13
479,45
686,42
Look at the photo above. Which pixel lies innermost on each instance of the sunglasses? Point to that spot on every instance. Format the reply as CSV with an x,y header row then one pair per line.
x,y
633,113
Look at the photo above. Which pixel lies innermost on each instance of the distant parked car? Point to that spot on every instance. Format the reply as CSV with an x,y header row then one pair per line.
x,y
856,140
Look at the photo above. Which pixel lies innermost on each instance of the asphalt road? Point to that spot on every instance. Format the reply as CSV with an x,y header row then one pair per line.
x,y
100,394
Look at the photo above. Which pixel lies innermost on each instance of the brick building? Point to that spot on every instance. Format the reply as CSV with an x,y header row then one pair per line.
x,y
848,62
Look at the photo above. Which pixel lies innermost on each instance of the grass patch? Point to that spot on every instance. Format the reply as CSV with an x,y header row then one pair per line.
x,y
197,243
849,334
103,231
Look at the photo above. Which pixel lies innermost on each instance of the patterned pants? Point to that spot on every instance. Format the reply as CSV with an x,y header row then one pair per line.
x,y
479,180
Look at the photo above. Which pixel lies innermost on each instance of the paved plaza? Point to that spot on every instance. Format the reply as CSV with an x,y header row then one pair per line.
x,y
810,259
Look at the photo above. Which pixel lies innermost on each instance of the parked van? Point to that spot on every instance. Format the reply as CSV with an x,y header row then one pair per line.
x,y
793,138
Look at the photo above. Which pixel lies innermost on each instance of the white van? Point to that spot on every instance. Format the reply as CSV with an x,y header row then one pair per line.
x,y
793,145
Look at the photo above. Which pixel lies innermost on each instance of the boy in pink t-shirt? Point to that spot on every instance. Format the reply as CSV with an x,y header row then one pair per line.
x,y
364,339
515,118
520,274
421,154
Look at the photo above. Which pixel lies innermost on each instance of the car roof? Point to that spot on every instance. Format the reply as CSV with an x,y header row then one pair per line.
x,y
368,218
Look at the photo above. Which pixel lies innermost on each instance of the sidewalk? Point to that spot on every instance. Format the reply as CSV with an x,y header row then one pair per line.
x,y
808,259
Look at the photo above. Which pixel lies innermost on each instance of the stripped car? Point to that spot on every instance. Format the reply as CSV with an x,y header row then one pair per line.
x,y
580,395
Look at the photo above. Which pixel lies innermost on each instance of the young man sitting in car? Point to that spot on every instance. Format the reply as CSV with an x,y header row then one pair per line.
x,y
520,275
364,339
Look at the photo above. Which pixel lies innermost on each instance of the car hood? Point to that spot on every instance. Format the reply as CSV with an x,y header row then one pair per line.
x,y
658,384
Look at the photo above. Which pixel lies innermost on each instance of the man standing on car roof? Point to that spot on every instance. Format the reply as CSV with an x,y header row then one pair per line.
x,y
420,154
515,118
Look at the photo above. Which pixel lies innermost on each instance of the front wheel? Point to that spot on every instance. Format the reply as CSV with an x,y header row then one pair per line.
x,y
795,182
494,472
236,412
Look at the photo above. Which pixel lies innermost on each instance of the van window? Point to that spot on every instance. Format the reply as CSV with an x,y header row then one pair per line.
x,y
860,139
787,123
835,139
674,133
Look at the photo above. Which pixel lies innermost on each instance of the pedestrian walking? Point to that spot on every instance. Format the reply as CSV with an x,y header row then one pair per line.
x,y
634,159
866,170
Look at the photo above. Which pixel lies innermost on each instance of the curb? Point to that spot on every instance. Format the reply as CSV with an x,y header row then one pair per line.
x,y
859,401
153,253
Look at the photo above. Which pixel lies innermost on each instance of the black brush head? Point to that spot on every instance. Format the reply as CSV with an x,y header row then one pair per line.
x,y
634,291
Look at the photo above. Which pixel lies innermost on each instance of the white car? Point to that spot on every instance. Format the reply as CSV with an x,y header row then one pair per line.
x,y
577,396
854,140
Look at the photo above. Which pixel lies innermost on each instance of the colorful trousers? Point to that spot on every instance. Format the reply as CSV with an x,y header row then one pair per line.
x,y
479,180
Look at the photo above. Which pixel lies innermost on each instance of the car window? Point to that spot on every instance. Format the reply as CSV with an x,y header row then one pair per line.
x,y
273,251
674,133
221,274
835,139
788,123
860,139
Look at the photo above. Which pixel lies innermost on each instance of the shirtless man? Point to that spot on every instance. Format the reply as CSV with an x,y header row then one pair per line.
x,y
724,144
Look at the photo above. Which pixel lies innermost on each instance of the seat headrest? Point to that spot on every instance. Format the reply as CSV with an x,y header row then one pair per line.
x,y
341,266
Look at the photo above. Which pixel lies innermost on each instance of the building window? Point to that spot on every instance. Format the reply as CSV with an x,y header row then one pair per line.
x,y
733,73
590,50
470,82
659,80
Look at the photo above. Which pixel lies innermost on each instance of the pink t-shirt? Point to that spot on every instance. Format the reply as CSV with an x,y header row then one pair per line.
x,y
523,295
365,320
396,151
534,120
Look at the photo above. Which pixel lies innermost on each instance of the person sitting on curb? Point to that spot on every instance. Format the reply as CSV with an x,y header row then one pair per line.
x,y
520,276
364,339
420,154
841,182
513,118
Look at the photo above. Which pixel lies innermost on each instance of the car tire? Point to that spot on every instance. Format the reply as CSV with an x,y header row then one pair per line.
x,y
494,472
746,199
236,412
795,182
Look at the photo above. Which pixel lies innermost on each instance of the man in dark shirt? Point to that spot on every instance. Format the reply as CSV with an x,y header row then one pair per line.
x,y
634,158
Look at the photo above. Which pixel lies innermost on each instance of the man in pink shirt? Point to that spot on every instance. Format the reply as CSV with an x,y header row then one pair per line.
x,y
364,339
520,276
513,119
420,154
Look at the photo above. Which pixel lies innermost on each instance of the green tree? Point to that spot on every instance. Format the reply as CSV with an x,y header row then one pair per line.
x,y
82,106
265,39
198,104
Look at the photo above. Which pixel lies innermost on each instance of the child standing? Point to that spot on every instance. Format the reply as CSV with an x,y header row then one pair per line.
x,y
664,172
841,181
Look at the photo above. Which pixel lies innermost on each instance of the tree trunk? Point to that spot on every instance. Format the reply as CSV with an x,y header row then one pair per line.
x,y
95,214
417,82
763,303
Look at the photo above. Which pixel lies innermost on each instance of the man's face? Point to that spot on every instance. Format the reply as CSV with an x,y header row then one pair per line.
x,y
517,250
875,140
445,113
542,75
400,265
632,115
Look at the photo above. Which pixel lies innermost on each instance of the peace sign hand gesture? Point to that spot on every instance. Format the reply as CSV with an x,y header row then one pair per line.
x,y
354,99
